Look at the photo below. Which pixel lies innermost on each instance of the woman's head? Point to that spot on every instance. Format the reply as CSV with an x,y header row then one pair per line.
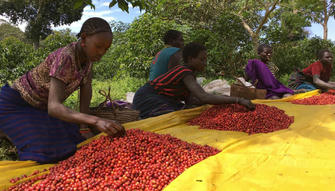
x,y
195,55
325,56
174,38
265,52
95,38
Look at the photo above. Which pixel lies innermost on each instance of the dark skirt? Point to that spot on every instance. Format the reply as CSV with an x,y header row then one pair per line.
x,y
151,104
36,135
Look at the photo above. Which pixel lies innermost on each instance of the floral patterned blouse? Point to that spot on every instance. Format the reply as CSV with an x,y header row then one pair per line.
x,y
60,64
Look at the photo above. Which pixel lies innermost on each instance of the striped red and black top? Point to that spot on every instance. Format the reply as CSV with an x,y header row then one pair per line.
x,y
171,83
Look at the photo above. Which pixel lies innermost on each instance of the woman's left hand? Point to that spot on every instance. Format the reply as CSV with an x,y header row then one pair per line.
x,y
247,103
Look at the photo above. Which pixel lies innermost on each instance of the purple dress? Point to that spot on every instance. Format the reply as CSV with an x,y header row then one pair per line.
x,y
257,70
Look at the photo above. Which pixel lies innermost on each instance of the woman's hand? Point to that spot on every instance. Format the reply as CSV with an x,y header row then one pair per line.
x,y
110,127
247,103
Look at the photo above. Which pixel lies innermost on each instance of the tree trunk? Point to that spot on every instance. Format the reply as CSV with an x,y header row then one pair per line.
x,y
325,30
325,21
36,44
255,41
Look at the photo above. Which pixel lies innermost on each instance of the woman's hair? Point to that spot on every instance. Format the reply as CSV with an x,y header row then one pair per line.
x,y
94,25
261,48
171,35
192,50
322,52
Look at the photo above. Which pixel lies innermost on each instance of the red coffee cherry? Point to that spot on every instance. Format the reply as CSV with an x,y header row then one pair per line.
x,y
139,161
234,117
322,99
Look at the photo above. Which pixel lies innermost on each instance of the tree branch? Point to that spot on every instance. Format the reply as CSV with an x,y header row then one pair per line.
x,y
263,5
266,16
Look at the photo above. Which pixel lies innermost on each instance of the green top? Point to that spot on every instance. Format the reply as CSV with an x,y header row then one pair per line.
x,y
160,63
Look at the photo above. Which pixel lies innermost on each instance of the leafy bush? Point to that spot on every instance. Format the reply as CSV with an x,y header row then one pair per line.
x,y
57,40
228,45
17,57
13,58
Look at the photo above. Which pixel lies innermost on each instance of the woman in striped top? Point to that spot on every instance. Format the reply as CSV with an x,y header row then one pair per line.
x,y
168,92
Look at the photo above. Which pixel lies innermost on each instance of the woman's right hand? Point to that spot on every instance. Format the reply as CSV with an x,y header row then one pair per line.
x,y
110,127
247,103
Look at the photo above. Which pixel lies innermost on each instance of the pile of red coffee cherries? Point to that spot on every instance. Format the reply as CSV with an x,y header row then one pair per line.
x,y
322,99
139,161
234,117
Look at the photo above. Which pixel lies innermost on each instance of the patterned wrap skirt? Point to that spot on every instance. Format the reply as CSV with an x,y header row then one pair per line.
x,y
36,135
151,104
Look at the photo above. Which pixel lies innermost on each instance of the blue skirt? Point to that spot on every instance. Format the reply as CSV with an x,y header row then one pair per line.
x,y
151,104
36,135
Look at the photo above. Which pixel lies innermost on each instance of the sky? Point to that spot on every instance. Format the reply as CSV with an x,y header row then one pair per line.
x,y
102,10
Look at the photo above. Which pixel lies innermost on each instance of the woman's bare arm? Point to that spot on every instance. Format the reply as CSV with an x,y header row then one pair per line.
x,y
86,95
317,81
204,97
58,110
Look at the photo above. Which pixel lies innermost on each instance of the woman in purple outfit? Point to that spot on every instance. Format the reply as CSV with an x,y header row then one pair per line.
x,y
263,72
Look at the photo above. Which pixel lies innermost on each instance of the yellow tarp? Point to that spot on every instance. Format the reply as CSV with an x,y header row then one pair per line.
x,y
298,158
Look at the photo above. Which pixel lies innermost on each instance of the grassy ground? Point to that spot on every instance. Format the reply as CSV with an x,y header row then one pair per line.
x,y
7,150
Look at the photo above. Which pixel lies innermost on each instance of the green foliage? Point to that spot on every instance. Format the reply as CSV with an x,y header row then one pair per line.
x,y
57,40
119,27
7,150
7,30
228,45
41,15
286,26
198,14
107,67
17,57
122,4
13,58
119,88
284,79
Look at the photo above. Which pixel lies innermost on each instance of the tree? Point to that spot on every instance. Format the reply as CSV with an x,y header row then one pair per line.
x,y
7,30
122,4
41,15
254,15
318,11
57,40
228,45
204,13
286,25
198,14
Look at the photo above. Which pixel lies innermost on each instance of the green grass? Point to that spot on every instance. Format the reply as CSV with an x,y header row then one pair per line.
x,y
7,150
118,90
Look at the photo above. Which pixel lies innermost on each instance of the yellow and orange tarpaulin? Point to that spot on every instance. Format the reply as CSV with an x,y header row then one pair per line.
x,y
298,158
